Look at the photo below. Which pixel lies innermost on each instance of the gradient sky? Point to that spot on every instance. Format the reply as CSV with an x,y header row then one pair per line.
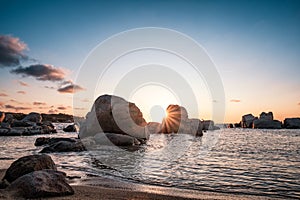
x,y
254,44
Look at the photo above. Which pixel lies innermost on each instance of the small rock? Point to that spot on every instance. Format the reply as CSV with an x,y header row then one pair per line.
x,y
64,146
71,128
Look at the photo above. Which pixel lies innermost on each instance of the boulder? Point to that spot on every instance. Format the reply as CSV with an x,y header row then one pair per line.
x,y
5,125
64,146
49,141
267,124
175,115
266,116
17,123
33,117
112,114
27,164
41,184
9,118
2,117
4,131
247,121
209,125
154,127
71,128
292,123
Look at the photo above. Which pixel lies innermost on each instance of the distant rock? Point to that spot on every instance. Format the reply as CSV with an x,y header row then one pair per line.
x,y
209,125
71,128
266,116
41,184
267,124
247,120
27,164
33,117
292,123
64,146
9,118
112,114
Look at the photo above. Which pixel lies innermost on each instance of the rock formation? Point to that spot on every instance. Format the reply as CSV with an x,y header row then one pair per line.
x,y
292,123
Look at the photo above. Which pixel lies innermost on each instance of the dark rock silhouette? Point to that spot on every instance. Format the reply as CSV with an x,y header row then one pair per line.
x,y
247,120
41,184
64,146
49,141
292,123
71,128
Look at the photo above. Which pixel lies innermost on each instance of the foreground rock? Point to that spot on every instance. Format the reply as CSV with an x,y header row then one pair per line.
x,y
292,123
41,184
49,141
112,114
28,164
64,146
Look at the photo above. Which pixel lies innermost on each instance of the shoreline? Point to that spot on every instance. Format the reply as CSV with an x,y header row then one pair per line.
x,y
107,188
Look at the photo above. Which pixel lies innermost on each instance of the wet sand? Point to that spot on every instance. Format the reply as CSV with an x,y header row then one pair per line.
x,y
105,188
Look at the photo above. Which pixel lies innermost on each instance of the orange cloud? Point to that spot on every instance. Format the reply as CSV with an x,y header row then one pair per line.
x,y
3,95
62,108
23,83
16,108
69,87
36,103
235,100
51,111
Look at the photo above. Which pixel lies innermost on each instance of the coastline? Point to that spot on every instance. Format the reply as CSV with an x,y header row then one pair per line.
x,y
106,188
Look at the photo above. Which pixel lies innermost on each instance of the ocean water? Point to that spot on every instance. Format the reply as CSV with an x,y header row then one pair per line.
x,y
245,161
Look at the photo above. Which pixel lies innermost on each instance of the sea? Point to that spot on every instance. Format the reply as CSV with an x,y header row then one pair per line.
x,y
238,161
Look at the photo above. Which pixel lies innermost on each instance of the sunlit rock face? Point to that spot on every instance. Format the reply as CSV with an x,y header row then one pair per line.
x,y
177,121
112,114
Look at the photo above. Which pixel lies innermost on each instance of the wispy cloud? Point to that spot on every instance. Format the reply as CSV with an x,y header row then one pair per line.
x,y
21,92
69,87
16,108
235,100
79,108
23,83
52,111
42,72
37,103
11,51
62,108
3,95
50,87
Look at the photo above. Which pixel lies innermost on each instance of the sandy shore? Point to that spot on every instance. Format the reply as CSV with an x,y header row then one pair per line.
x,y
105,188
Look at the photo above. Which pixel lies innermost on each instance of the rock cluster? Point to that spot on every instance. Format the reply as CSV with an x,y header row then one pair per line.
x,y
265,121
30,125
35,176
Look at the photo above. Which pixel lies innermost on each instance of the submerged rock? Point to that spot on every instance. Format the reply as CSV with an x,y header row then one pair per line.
x,y
28,164
41,184
112,114
292,123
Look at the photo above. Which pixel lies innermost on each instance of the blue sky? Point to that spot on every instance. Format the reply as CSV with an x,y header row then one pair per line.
x,y
254,44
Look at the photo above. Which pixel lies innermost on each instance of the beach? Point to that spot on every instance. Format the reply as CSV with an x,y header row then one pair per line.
x,y
104,188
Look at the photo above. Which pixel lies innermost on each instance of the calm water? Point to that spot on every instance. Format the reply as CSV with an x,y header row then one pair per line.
x,y
259,162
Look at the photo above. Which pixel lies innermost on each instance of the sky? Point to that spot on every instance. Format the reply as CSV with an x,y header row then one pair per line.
x,y
255,46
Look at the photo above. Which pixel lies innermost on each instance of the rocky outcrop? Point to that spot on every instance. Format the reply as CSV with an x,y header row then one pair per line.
x,y
247,121
177,121
267,124
28,164
41,184
112,114
266,116
71,128
30,125
292,123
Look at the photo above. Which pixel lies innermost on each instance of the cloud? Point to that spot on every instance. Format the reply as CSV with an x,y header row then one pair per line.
x,y
3,95
36,103
49,87
1,104
79,108
235,100
62,108
11,51
69,87
299,104
23,83
17,108
42,72
21,92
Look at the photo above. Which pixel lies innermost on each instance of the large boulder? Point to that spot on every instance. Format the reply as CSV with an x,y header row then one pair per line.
x,y
292,123
33,117
112,114
267,124
266,116
247,120
27,164
154,127
41,184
